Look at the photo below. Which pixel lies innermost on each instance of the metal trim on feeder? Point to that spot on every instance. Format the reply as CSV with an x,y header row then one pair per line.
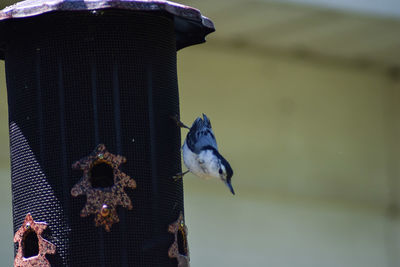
x,y
103,201
176,228
191,26
43,246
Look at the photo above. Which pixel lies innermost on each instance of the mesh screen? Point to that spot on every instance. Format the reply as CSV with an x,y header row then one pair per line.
x,y
75,81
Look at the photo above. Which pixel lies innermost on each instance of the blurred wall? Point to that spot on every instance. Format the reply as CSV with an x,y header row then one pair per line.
x,y
303,127
316,157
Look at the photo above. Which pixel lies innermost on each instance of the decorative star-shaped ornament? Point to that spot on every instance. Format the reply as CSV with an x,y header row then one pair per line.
x,y
26,237
179,250
103,184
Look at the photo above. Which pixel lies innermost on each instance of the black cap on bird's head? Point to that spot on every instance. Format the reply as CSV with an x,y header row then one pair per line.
x,y
229,174
225,171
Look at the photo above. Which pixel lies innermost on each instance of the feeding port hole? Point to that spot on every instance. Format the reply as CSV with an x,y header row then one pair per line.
x,y
101,174
30,244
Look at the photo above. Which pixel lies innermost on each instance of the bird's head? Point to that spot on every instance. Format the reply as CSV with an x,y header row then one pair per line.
x,y
218,166
225,173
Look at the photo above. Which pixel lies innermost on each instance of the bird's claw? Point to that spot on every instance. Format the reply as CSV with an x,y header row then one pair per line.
x,y
178,122
177,176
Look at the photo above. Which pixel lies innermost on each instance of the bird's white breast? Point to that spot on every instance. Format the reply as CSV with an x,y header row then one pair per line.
x,y
204,164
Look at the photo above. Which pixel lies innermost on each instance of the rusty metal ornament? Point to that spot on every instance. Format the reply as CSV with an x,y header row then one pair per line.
x,y
44,246
103,201
179,228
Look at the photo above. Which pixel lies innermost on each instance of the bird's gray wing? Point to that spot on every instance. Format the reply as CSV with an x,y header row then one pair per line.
x,y
201,135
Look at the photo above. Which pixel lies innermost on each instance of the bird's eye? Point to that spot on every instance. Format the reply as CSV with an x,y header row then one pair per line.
x,y
220,171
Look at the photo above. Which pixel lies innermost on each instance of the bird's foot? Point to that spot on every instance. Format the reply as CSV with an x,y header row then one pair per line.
x,y
179,175
178,122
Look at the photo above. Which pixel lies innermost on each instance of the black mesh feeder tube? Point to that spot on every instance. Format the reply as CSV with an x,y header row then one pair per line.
x,y
91,89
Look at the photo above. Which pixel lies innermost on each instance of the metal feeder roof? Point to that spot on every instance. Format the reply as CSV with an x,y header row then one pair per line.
x,y
191,26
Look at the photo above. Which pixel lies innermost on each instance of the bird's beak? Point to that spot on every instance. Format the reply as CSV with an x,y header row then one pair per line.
x,y
229,185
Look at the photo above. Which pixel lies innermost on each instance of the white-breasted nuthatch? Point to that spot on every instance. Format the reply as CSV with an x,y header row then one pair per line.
x,y
200,153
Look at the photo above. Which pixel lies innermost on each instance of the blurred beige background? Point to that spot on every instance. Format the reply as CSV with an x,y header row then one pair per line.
x,y
304,101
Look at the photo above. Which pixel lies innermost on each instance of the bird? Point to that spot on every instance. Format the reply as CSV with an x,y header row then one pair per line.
x,y
201,155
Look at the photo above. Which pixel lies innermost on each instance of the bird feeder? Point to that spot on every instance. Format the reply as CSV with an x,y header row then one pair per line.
x,y
92,85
